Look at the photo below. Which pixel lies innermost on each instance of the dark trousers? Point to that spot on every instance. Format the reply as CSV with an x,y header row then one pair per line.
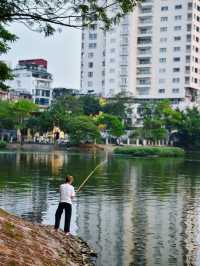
x,y
68,214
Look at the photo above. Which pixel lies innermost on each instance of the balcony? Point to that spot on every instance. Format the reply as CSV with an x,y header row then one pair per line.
x,y
144,40
145,10
144,71
145,20
144,61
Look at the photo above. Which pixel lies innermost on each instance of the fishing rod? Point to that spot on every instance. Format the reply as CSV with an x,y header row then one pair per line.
x,y
86,179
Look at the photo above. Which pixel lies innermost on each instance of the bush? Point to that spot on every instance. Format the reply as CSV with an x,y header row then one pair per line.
x,y
2,144
151,151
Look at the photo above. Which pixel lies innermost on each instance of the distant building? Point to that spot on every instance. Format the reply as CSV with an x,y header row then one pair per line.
x,y
60,92
153,53
32,81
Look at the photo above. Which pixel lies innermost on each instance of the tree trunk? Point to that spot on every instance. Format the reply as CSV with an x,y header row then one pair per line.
x,y
19,135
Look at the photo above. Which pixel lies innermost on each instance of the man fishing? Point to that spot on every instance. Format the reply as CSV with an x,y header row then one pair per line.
x,y
67,194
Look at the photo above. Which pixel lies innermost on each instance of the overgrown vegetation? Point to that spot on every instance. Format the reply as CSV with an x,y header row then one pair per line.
x,y
2,144
150,151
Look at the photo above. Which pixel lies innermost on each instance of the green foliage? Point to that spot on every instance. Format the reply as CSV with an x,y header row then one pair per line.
x,y
5,38
22,109
45,15
115,107
90,105
150,151
189,128
113,124
159,119
6,115
2,144
82,129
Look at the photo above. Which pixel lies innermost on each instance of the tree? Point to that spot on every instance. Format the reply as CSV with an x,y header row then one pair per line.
x,y
91,105
189,128
5,38
6,115
64,107
111,123
45,15
21,111
159,119
115,107
82,129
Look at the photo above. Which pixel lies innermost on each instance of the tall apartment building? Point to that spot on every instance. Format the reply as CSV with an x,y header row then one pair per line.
x,y
154,53
32,79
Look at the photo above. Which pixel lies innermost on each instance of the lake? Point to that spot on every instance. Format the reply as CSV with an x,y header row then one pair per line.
x,y
132,211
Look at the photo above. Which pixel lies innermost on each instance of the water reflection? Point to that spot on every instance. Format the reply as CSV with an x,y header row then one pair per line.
x,y
132,211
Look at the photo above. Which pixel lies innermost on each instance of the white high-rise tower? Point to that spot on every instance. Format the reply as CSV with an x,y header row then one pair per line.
x,y
154,53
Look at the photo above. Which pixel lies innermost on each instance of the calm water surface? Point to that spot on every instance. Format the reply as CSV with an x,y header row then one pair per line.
x,y
132,211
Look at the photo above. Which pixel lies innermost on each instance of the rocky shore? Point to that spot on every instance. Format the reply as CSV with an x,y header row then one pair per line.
x,y
23,244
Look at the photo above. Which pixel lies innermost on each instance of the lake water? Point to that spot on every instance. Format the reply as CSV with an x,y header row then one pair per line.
x,y
132,211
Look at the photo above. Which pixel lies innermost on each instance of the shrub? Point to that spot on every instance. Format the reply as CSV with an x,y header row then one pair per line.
x,y
151,151
2,144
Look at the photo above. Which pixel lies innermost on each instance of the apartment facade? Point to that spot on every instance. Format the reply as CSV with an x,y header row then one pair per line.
x,y
32,79
154,53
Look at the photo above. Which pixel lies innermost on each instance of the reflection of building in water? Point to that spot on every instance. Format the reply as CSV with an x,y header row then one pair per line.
x,y
54,159
140,227
27,188
57,161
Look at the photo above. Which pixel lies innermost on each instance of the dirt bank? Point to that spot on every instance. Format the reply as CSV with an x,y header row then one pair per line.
x,y
23,243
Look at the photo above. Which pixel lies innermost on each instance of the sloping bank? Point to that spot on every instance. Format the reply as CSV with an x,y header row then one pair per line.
x,y
23,243
150,151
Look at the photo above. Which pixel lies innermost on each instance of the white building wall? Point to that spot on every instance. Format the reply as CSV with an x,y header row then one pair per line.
x,y
38,88
163,41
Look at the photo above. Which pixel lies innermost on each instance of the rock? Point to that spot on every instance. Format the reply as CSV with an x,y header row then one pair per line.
x,y
25,244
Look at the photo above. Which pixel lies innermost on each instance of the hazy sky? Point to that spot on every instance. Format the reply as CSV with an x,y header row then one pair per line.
x,y
62,51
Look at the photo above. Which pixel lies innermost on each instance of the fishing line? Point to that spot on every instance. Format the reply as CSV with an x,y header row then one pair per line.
x,y
86,179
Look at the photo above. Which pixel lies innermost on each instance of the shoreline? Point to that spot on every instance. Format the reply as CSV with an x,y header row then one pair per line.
x,y
24,243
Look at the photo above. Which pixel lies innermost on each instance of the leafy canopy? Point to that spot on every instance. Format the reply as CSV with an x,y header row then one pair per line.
x,y
45,15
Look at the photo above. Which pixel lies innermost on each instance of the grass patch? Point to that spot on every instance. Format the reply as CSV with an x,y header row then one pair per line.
x,y
3,144
150,151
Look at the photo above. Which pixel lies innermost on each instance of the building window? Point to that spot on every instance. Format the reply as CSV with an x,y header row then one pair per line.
x,y
163,60
164,8
162,29
90,64
179,17
92,45
164,19
90,74
90,55
176,69
177,59
175,90
178,7
177,49
177,38
163,50
161,90
176,80
177,28
92,36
